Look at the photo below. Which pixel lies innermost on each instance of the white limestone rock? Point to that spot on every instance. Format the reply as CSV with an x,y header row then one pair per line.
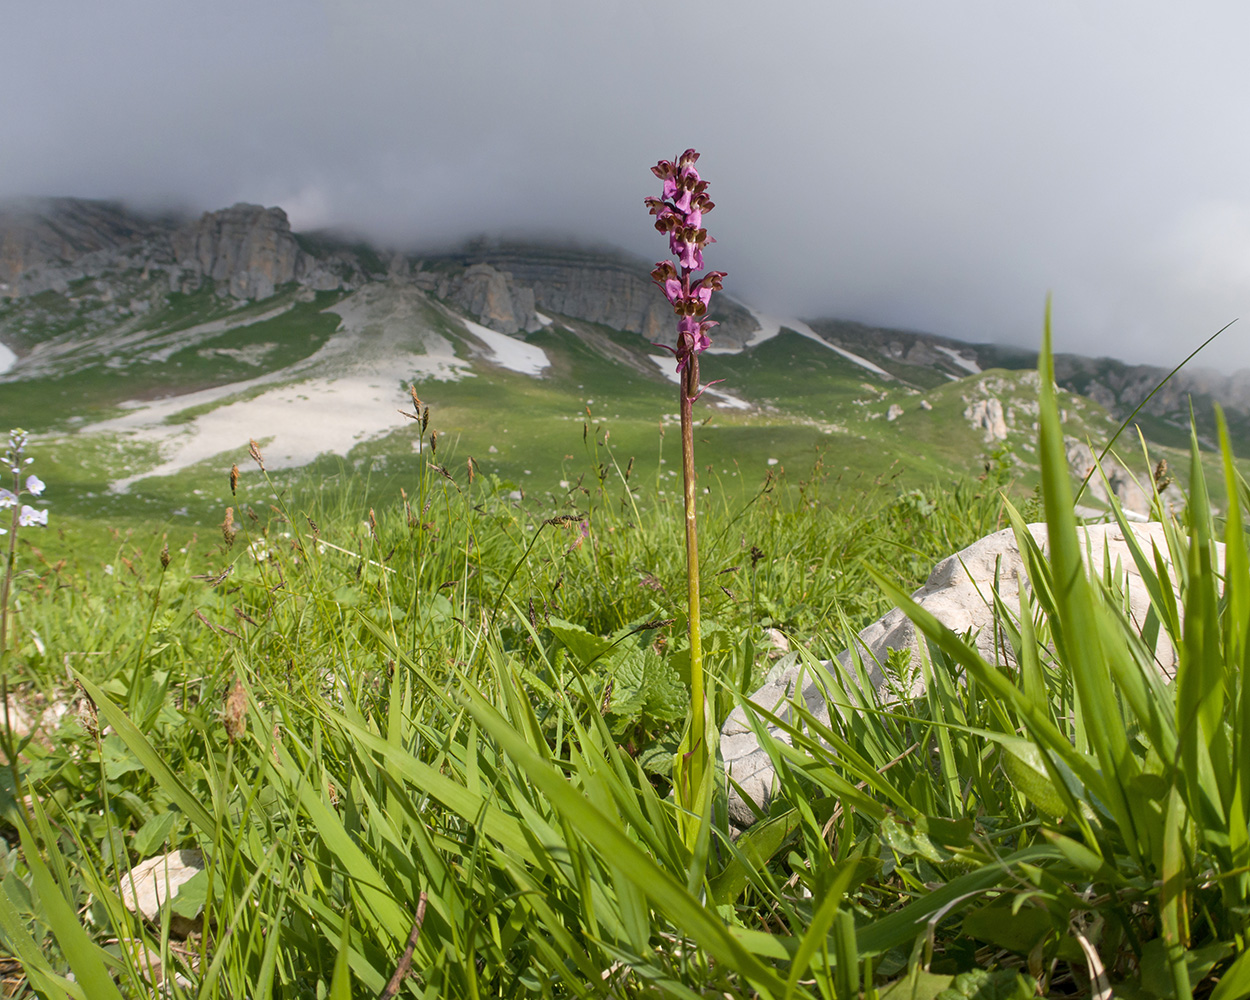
x,y
987,415
154,882
1081,460
957,593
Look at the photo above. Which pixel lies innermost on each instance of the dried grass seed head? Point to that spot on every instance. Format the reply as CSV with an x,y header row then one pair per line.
x,y
228,527
234,715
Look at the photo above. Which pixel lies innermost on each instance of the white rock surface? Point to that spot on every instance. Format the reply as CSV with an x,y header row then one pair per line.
x,y
152,883
25,713
987,415
1132,495
958,593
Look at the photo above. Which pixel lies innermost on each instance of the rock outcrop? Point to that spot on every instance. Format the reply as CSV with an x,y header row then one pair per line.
x,y
1083,463
987,415
957,593
609,289
250,251
40,237
494,299
152,884
248,247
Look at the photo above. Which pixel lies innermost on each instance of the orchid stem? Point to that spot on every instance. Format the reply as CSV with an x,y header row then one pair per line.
x,y
698,716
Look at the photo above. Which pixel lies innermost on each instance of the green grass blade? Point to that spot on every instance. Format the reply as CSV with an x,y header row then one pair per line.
x,y
1235,982
83,955
817,934
341,981
1075,625
501,827
611,841
1173,895
34,962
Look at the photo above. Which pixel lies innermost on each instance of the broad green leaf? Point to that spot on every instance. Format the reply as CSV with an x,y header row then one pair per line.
x,y
1019,931
1235,982
1159,978
1026,768
902,926
895,837
1087,860
154,833
983,984
916,985
587,647
152,761
754,849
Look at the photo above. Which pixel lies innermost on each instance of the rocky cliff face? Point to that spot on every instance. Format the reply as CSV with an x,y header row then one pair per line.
x,y
494,298
1113,384
41,239
248,247
101,256
247,250
612,290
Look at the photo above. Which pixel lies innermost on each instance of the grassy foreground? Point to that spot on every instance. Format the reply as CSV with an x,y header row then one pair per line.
x,y
437,738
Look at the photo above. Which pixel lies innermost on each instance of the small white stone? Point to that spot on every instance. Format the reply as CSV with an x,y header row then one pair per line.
x,y
152,883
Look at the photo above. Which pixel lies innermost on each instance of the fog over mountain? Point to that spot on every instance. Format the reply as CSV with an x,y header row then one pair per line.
x,y
938,167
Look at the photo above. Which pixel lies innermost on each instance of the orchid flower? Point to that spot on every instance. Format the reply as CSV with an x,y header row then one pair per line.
x,y
679,214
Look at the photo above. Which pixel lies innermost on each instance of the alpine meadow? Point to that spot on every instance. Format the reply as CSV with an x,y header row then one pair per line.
x,y
528,619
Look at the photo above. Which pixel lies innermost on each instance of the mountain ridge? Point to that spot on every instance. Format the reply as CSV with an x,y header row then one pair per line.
x,y
230,316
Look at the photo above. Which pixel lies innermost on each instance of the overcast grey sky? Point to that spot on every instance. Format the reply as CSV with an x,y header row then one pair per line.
x,y
933,164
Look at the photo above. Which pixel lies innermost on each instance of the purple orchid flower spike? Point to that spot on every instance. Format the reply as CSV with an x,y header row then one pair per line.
x,y
679,213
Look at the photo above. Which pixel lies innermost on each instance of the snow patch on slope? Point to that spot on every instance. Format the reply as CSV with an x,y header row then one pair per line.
x,y
959,359
798,326
297,423
508,352
771,326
